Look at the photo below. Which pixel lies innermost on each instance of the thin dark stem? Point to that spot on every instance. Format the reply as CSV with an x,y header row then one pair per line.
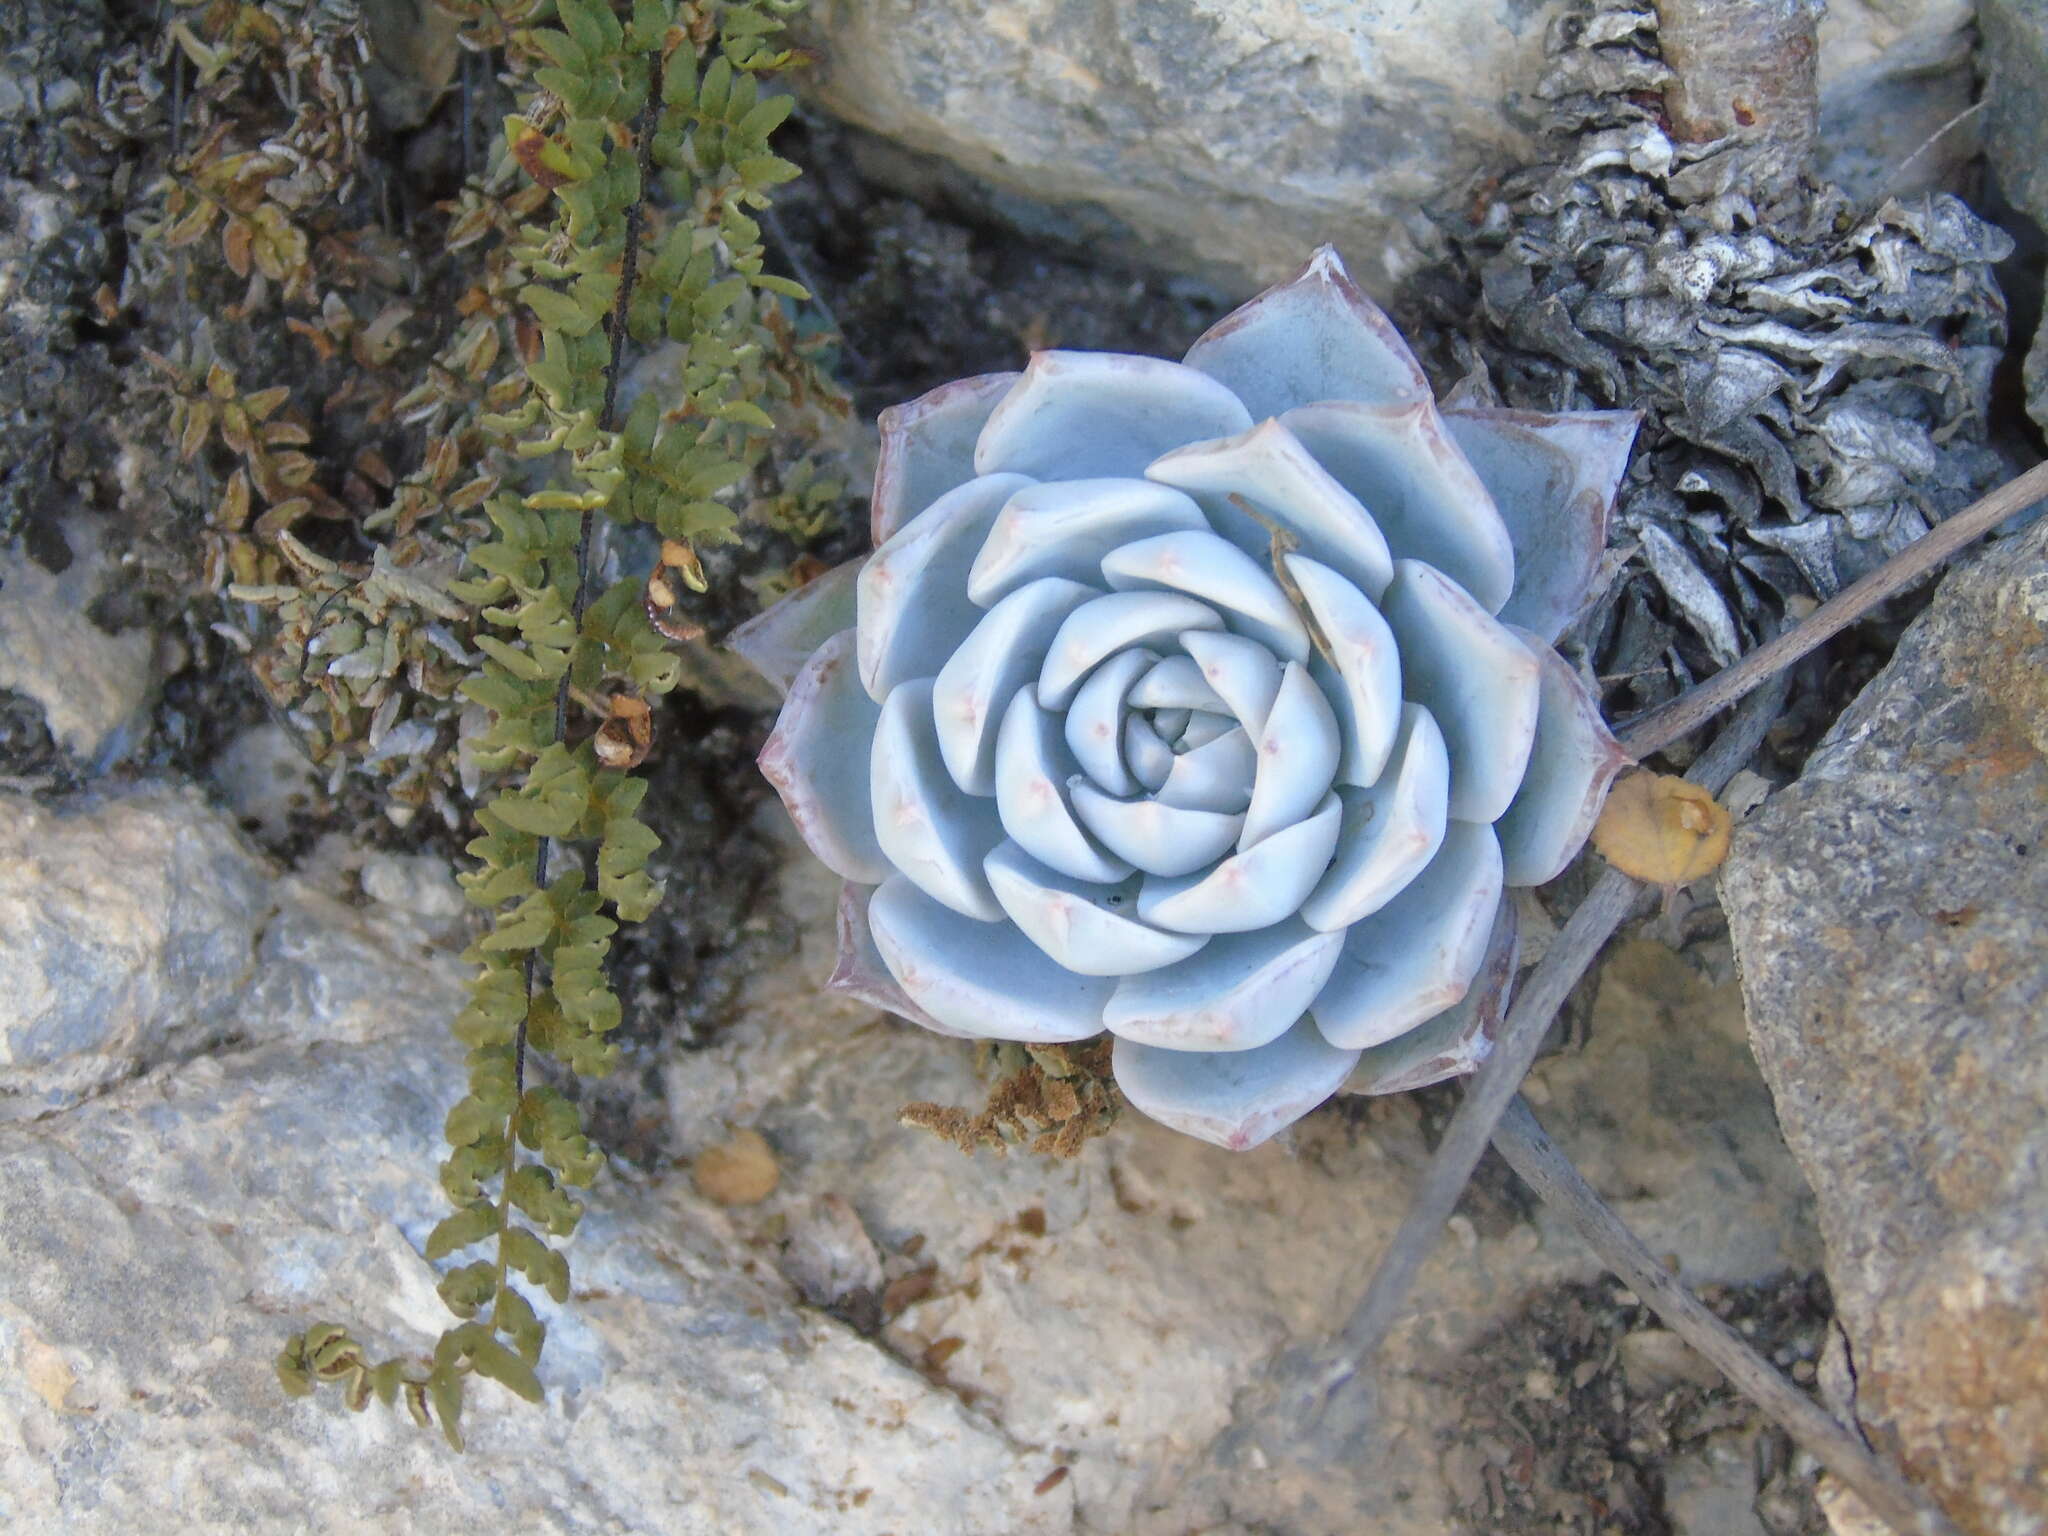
x,y
1660,727
1521,1139
1500,1075
629,269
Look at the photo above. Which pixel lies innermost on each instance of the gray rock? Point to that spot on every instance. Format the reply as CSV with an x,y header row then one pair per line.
x,y
127,926
2014,57
1230,140
94,687
1889,912
1895,74
1100,1316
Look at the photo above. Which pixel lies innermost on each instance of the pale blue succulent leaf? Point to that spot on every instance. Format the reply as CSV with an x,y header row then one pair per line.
x,y
859,972
928,448
1177,683
1361,674
1298,750
1571,765
1270,469
1477,679
1207,566
779,639
1263,885
1402,464
1417,955
1150,835
1204,727
1147,754
1314,337
912,594
981,979
1000,656
1242,672
1032,770
1457,1040
1214,775
1553,479
1094,725
1065,527
1241,991
1390,832
1076,415
1235,1099
817,759
927,827
1091,929
1099,629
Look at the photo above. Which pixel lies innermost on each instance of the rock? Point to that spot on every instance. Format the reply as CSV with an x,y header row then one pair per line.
x,y
94,688
1888,912
2014,56
127,926
1227,141
1894,75
1231,139
263,776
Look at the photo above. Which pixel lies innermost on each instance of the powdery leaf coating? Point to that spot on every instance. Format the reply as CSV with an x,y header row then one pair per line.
x,y
1211,704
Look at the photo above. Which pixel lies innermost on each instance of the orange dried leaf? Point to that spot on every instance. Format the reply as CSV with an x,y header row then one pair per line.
x,y
1662,829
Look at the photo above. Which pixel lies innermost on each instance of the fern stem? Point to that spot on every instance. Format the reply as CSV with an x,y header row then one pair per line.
x,y
629,269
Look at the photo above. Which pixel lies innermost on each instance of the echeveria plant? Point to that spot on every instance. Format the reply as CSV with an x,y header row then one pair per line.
x,y
1209,703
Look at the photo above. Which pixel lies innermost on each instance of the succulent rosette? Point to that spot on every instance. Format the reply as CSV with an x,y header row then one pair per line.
x,y
1213,704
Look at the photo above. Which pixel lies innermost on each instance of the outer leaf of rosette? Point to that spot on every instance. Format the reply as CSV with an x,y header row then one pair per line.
x,y
926,827
1270,471
779,639
1263,885
1076,415
928,448
981,979
1477,679
859,972
1032,771
1457,1040
1401,462
1573,762
981,676
1065,527
1390,832
817,759
1100,628
1090,929
912,593
1553,479
1241,991
1235,1099
1417,955
1313,337
1365,661
1207,566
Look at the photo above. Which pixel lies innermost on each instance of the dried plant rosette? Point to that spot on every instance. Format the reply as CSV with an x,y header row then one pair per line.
x,y
1213,704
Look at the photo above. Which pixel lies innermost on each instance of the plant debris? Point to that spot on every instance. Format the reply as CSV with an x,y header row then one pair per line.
x,y
1660,829
1052,1098
1815,375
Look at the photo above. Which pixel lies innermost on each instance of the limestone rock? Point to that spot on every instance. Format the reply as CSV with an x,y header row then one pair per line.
x,y
1230,139
1889,912
126,927
1052,1348
2014,55
94,687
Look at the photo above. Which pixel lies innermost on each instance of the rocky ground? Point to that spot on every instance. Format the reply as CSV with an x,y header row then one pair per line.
x,y
224,994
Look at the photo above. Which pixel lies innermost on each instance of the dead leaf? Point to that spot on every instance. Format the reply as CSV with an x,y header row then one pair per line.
x,y
742,1171
1662,829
